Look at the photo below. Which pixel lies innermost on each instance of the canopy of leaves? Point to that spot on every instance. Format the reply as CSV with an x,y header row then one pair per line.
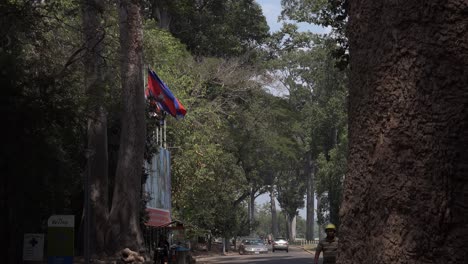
x,y
304,65
329,182
291,188
208,184
327,13
217,28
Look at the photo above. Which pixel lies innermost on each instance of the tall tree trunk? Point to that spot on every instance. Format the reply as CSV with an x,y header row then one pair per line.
x,y
320,224
210,243
274,215
160,13
94,69
124,215
251,209
226,245
310,199
293,229
406,189
334,193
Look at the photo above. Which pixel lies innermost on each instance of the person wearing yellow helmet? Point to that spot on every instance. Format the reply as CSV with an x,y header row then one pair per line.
x,y
329,246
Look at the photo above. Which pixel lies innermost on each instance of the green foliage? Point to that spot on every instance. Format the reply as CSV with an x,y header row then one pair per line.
x,y
300,227
228,143
326,123
42,103
291,188
303,63
231,123
198,24
264,225
161,49
264,222
327,13
207,181
320,12
329,182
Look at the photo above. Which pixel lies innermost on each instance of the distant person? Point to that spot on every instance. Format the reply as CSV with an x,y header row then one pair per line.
x,y
162,251
329,246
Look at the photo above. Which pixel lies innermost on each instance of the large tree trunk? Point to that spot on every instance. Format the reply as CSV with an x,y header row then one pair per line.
x,y
94,68
160,12
406,191
320,224
124,215
293,229
251,210
310,199
274,215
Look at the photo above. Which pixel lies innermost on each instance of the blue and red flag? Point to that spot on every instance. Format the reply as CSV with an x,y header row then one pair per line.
x,y
165,99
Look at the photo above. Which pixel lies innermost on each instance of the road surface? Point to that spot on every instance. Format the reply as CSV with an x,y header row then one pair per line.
x,y
296,255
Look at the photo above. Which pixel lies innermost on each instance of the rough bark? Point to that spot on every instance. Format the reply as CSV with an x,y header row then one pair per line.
x,y
94,69
293,229
251,209
310,199
290,227
274,216
124,216
406,191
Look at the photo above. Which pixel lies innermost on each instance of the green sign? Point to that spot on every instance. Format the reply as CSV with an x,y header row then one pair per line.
x,y
60,237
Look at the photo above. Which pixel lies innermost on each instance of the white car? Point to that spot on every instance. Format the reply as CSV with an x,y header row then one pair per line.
x,y
280,243
252,246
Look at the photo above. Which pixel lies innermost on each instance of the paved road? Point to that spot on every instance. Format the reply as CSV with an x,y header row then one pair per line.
x,y
295,255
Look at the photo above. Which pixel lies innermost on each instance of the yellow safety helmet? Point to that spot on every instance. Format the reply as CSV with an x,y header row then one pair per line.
x,y
330,226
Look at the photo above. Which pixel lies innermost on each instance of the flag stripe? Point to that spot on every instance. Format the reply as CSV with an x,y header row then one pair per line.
x,y
158,90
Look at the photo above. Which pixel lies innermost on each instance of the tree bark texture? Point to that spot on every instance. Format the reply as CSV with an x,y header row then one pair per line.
x,y
310,199
293,228
124,215
406,191
251,209
94,68
274,216
288,226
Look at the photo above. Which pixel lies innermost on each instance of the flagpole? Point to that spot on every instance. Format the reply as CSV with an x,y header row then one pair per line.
x,y
161,123
157,134
144,79
164,126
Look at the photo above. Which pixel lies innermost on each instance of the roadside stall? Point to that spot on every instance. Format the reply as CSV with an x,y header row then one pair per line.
x,y
180,246
168,243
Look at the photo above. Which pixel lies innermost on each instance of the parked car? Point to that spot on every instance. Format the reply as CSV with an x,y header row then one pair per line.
x,y
280,243
252,246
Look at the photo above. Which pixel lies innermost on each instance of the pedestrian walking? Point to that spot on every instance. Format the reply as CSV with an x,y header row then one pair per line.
x,y
329,246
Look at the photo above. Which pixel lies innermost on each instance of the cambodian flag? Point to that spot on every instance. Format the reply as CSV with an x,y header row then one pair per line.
x,y
163,96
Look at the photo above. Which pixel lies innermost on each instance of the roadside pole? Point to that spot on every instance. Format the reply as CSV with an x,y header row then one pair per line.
x,y
87,219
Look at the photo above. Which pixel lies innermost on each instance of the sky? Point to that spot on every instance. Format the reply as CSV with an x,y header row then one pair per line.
x,y
272,10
